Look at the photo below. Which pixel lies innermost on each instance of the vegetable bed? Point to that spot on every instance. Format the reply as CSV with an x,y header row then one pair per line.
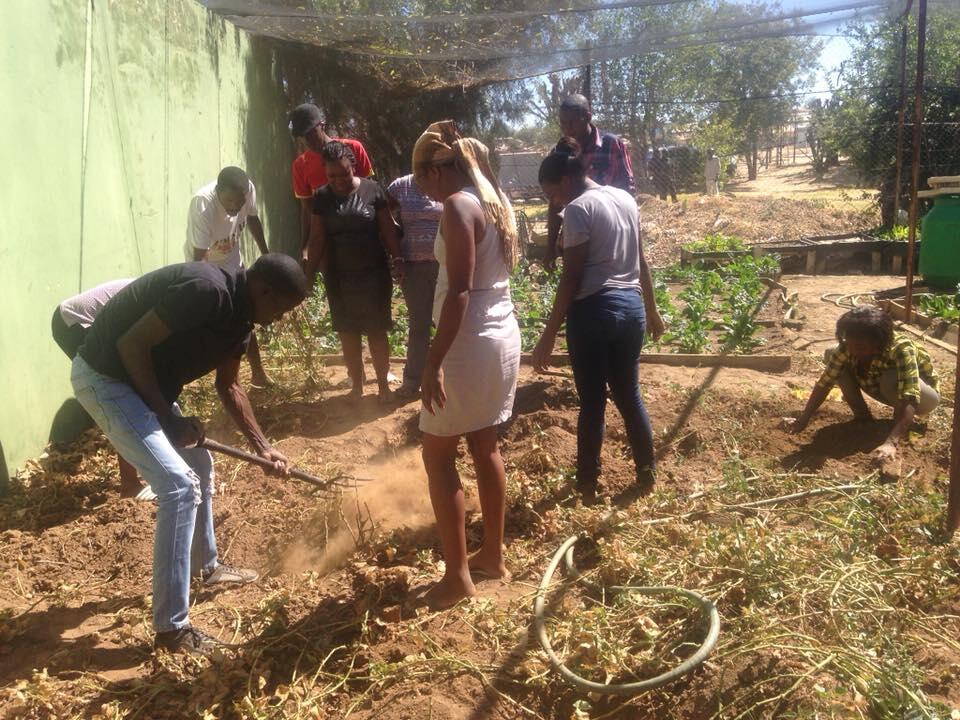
x,y
726,310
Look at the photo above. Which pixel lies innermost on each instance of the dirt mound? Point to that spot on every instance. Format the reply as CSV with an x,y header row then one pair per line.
x,y
334,629
667,225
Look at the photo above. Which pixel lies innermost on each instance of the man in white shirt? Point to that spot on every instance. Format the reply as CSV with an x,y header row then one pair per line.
x,y
711,173
219,211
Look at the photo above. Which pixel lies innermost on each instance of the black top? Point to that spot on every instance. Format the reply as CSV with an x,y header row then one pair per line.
x,y
352,232
207,308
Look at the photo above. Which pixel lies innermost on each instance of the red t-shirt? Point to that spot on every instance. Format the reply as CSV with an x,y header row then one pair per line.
x,y
310,172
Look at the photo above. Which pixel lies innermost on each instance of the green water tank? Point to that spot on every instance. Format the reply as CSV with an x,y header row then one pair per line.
x,y
940,232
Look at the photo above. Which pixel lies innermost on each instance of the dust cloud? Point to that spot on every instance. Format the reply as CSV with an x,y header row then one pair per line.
x,y
396,497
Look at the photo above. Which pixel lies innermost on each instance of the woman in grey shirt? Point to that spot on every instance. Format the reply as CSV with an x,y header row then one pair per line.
x,y
604,274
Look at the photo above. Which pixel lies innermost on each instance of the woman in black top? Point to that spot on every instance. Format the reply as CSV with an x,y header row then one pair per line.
x,y
350,235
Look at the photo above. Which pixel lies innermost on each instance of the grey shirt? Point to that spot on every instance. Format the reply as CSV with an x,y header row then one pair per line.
x,y
608,220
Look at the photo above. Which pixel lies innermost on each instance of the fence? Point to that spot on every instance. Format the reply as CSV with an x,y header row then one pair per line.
x,y
116,113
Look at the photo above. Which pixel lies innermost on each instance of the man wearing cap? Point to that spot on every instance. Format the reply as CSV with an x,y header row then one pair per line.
x,y
606,155
309,169
157,334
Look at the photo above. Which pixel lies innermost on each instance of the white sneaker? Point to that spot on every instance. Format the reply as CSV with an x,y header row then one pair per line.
x,y
146,495
231,574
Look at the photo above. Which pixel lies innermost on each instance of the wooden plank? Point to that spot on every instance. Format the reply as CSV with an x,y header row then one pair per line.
x,y
926,338
770,282
811,265
765,363
829,238
948,334
876,258
768,363
899,312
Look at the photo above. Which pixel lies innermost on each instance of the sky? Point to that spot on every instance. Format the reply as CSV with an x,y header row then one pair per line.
x,y
835,49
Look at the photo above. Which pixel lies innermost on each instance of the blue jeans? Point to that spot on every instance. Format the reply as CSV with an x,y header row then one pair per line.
x,y
419,285
604,337
182,478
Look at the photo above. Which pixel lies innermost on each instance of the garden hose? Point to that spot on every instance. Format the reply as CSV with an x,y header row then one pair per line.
x,y
850,300
565,553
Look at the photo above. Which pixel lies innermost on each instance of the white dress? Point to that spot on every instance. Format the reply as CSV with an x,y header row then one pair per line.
x,y
480,369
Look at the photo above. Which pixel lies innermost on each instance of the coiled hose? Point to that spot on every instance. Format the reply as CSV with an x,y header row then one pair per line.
x,y
565,554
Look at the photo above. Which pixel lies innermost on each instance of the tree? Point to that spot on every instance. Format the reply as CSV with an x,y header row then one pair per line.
x,y
821,135
865,113
690,84
756,79
389,117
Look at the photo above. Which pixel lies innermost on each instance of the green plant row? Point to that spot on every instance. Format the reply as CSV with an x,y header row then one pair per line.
x,y
308,331
735,289
946,307
716,242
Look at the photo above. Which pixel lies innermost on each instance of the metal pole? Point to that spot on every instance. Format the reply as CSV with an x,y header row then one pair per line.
x,y
915,160
796,133
900,113
953,498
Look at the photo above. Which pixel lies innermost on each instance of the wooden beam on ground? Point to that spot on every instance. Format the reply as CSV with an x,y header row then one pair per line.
x,y
926,338
764,363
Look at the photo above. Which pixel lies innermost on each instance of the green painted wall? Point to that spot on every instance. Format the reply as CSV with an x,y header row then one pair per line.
x,y
115,113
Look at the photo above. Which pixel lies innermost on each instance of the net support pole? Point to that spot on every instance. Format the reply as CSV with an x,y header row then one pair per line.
x,y
953,498
915,160
901,112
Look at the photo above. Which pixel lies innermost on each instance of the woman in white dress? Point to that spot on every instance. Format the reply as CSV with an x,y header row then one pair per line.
x,y
470,378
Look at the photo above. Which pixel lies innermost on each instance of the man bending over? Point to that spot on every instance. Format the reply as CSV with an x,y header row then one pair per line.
x,y
157,334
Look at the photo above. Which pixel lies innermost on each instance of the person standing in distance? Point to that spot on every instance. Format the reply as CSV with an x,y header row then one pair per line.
x,y
605,156
711,173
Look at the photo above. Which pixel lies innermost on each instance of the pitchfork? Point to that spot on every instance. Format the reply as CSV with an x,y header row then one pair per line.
x,y
341,480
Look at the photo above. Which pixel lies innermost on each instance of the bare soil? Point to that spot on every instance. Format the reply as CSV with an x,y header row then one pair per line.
x,y
75,559
756,218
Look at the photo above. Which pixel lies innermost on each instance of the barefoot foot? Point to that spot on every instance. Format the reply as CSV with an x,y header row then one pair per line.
x,y
449,591
488,565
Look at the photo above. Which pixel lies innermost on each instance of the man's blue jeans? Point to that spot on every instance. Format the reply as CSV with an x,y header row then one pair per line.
x,y
182,478
604,337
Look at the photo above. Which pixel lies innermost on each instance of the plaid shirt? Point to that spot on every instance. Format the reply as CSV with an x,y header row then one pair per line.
x,y
608,161
910,361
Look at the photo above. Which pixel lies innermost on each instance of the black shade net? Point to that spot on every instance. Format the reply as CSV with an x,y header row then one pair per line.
x,y
435,44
